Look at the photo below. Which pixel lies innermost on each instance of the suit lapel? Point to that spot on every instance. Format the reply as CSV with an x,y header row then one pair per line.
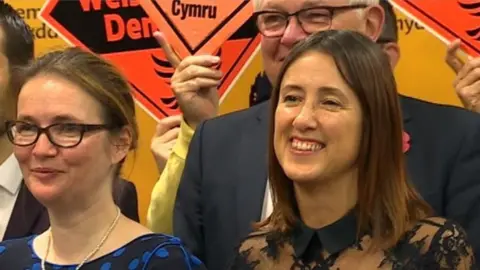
x,y
405,109
416,154
252,177
407,117
28,216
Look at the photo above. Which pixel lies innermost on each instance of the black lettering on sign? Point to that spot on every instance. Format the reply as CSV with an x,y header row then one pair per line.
x,y
88,5
116,28
111,26
28,13
39,32
107,26
408,25
193,10
43,32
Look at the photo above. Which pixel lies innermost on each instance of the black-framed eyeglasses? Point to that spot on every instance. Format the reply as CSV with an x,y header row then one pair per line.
x,y
274,23
64,135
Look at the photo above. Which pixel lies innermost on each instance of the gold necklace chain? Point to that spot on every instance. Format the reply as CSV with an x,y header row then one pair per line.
x,y
97,248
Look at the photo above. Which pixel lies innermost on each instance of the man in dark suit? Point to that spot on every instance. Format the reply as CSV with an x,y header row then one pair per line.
x,y
223,187
20,213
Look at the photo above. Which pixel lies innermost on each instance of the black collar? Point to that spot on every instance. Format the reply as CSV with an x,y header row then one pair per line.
x,y
333,238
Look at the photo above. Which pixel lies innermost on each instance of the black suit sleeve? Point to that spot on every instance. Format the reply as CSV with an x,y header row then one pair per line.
x,y
463,190
187,216
127,200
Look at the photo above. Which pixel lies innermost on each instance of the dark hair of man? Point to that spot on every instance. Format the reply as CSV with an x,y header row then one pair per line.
x,y
18,44
390,28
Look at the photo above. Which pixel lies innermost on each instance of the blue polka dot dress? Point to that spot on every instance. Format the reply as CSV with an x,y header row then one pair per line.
x,y
152,251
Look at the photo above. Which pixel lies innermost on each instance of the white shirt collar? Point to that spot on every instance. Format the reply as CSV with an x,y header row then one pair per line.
x,y
10,175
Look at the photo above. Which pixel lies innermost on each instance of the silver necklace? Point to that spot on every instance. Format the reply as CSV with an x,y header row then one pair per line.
x,y
94,251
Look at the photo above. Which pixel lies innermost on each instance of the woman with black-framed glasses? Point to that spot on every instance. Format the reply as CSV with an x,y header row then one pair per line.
x,y
74,127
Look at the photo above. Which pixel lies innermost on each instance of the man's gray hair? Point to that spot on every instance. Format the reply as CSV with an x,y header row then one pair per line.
x,y
366,2
257,3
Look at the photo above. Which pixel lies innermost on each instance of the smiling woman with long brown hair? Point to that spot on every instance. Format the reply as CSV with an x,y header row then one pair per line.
x,y
342,199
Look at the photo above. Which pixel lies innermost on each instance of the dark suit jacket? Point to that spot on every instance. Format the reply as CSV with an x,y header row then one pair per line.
x,y
223,184
30,217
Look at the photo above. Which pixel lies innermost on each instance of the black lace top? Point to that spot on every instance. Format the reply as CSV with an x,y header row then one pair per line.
x,y
433,243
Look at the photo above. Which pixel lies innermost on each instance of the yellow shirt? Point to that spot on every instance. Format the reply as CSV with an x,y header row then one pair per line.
x,y
160,210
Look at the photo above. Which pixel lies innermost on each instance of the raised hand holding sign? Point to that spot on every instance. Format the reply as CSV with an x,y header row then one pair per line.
x,y
194,83
447,19
122,32
196,29
457,23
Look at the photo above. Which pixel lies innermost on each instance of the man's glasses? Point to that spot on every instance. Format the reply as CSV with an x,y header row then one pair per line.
x,y
65,135
274,23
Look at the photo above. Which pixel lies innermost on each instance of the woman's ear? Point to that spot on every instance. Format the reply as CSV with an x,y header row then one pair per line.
x,y
121,144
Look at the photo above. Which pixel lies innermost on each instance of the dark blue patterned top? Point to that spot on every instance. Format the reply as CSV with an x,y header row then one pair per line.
x,y
152,251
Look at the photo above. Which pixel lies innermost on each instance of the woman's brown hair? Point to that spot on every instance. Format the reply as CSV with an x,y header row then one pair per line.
x,y
387,202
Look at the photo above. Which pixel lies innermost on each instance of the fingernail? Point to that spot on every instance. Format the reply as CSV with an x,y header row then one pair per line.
x,y
215,59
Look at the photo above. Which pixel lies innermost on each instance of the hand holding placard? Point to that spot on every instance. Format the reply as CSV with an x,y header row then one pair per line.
x,y
467,82
196,29
164,138
194,83
455,22
125,36
450,20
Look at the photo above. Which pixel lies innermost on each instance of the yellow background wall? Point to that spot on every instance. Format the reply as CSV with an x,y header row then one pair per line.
x,y
421,73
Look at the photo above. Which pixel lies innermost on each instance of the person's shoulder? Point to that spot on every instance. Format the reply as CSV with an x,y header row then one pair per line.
x,y
436,236
152,240
446,114
124,187
168,252
16,248
123,182
254,245
255,240
240,117
433,229
17,243
261,248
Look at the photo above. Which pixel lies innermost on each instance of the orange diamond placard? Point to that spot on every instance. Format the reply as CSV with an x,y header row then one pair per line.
x,y
447,19
198,26
122,32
